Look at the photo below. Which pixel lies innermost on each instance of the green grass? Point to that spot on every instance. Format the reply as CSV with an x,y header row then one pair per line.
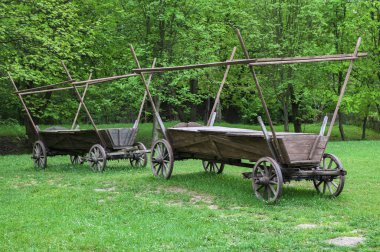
x,y
60,208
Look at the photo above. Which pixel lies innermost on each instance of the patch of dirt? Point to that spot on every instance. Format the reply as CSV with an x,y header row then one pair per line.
x,y
346,241
173,189
109,189
175,203
196,198
306,226
26,183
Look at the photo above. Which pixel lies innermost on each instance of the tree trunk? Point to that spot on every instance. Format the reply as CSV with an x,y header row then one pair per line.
x,y
364,126
295,110
286,115
193,90
156,126
341,130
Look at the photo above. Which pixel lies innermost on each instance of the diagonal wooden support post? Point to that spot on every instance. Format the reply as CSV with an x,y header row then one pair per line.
x,y
135,126
80,104
84,106
343,89
259,90
24,105
158,117
211,119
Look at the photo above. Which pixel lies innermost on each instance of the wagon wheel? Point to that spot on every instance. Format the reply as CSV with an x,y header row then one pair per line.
x,y
212,167
162,159
76,159
330,185
267,179
39,155
97,158
139,159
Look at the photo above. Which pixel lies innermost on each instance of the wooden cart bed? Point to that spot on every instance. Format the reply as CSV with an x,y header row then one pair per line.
x,y
83,140
224,143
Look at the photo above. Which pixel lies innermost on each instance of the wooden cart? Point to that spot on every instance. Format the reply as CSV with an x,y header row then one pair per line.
x,y
275,157
94,145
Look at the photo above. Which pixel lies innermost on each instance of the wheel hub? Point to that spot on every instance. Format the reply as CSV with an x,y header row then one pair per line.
x,y
264,180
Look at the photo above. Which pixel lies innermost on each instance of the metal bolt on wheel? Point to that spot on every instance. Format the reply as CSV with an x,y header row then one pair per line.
x,y
162,159
213,167
97,158
267,180
39,155
330,185
140,159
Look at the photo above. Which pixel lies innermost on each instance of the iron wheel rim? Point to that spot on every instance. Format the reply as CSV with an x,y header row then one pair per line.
x,y
39,155
162,159
267,181
329,185
97,158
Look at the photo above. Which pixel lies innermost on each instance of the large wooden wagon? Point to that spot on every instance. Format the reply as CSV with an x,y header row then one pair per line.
x,y
93,145
275,157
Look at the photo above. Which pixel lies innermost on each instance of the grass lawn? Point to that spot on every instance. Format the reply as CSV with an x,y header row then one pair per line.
x,y
71,208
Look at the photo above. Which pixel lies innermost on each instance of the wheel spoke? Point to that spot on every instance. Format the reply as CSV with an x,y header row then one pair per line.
x,y
324,187
329,167
319,183
329,187
272,189
334,184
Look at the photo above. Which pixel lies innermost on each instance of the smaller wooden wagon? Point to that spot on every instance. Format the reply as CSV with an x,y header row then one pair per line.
x,y
274,157
93,145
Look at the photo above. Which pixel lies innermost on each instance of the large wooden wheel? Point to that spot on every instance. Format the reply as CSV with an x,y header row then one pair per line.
x,y
330,185
162,159
76,159
139,159
267,180
39,155
212,167
97,158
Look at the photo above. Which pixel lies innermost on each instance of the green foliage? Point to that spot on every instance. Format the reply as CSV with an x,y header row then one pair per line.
x,y
95,35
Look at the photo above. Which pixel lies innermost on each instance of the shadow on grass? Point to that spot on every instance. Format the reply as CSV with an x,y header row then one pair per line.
x,y
85,168
236,190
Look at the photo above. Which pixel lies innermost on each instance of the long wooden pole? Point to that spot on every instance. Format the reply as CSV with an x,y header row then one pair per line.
x,y
80,104
261,61
24,105
144,98
158,117
217,99
85,107
258,87
43,87
343,89
79,84
295,61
